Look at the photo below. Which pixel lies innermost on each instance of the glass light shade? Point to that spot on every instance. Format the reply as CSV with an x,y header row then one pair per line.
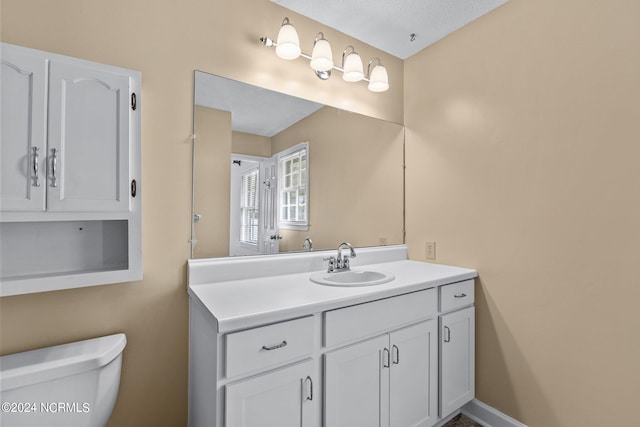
x,y
288,44
379,80
353,71
321,57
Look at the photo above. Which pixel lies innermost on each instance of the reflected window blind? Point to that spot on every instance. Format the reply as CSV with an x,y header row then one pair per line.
x,y
249,208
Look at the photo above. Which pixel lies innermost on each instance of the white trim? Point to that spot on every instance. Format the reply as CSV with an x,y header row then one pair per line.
x,y
293,225
447,418
487,416
299,146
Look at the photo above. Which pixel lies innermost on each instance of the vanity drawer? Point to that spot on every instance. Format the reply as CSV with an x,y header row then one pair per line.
x,y
359,321
267,346
456,295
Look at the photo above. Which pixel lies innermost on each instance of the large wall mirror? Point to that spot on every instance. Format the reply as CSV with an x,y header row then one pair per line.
x,y
274,173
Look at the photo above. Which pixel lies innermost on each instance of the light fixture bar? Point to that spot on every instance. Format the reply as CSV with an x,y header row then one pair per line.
x,y
321,60
270,43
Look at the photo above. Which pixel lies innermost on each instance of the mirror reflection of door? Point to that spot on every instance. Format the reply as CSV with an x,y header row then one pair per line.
x,y
269,216
253,209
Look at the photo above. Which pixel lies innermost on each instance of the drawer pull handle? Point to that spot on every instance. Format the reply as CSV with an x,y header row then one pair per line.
x,y
462,295
54,167
36,178
395,354
274,347
447,337
385,358
310,396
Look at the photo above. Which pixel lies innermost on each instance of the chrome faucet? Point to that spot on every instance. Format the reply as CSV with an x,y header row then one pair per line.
x,y
341,262
307,245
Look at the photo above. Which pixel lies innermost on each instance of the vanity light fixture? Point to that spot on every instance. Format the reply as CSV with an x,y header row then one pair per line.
x,y
351,65
321,59
288,46
378,78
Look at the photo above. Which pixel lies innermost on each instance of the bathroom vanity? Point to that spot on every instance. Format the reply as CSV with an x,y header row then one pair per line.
x,y
269,347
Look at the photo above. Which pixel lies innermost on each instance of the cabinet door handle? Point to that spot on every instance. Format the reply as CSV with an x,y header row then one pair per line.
x,y
310,395
395,354
385,358
462,295
36,155
274,347
447,335
54,166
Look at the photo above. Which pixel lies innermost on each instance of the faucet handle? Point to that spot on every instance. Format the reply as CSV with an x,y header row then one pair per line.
x,y
332,263
345,261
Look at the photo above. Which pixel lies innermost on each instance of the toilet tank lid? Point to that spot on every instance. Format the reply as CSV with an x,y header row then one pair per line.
x,y
45,364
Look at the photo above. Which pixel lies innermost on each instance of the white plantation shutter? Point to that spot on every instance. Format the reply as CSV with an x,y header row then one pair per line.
x,y
249,208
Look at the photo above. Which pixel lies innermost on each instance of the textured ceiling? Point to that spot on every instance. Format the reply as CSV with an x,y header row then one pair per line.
x,y
388,24
253,109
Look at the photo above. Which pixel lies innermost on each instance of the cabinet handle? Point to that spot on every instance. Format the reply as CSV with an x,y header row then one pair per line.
x,y
462,295
54,166
274,347
385,358
447,337
310,396
36,155
395,354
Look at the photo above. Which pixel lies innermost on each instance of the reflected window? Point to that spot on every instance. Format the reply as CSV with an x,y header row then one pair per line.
x,y
294,187
249,212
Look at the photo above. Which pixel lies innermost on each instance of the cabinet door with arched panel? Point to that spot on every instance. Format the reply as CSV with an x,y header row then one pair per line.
x,y
88,151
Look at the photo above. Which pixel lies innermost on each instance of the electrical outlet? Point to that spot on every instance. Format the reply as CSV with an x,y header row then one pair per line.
x,y
431,250
382,241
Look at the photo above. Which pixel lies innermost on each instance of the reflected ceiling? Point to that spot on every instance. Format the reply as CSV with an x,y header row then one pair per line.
x,y
255,110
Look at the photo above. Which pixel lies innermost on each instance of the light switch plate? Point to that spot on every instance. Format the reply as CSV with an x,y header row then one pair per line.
x,y
431,250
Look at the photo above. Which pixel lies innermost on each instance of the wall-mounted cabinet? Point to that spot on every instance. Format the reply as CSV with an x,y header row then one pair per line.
x,y
70,208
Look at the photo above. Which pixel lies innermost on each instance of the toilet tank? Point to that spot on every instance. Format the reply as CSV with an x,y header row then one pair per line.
x,y
73,384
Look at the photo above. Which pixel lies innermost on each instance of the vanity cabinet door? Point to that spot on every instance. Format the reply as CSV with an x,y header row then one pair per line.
x,y
89,133
357,385
414,375
23,131
457,359
390,380
281,398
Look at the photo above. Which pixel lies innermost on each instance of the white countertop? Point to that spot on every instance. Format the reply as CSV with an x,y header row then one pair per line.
x,y
253,301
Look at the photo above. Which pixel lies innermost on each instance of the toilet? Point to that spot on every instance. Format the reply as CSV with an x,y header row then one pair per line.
x,y
73,384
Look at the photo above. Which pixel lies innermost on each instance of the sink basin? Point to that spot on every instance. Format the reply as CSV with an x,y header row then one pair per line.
x,y
352,278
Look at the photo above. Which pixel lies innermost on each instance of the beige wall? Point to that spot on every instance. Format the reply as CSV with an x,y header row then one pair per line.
x,y
165,40
252,145
522,162
355,179
212,166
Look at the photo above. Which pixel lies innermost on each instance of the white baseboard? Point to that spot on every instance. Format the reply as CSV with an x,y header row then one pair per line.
x,y
487,416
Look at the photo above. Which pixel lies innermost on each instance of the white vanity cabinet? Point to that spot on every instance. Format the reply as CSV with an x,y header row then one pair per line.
x,y
283,351
70,208
257,377
457,346
389,380
280,398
